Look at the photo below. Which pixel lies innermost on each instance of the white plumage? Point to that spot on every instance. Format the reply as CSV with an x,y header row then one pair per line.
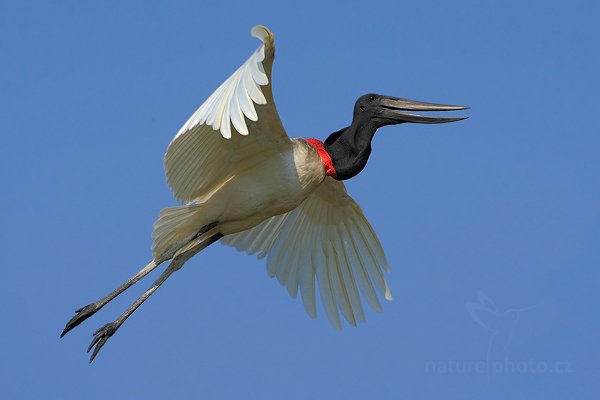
x,y
328,238
246,183
235,98
234,161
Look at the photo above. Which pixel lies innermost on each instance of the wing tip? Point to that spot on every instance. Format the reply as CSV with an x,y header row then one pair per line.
x,y
387,292
264,34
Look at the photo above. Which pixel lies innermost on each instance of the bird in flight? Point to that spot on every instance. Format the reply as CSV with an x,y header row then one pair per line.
x,y
246,183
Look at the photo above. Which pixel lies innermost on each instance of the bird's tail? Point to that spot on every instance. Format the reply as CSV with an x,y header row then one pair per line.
x,y
176,227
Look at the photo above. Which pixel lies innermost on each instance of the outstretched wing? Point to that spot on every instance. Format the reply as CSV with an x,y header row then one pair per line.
x,y
236,123
326,239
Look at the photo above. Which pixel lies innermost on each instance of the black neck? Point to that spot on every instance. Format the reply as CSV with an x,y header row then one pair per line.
x,y
350,147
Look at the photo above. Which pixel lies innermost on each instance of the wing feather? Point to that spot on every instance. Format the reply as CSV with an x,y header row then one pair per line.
x,y
348,276
326,290
307,278
326,240
341,295
279,250
237,122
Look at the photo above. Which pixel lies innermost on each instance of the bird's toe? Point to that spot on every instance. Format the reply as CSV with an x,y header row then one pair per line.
x,y
100,338
82,314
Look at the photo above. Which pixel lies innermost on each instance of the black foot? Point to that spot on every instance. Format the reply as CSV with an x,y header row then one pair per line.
x,y
82,314
100,337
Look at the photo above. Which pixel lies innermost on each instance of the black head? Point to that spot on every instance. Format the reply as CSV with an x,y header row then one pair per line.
x,y
350,147
385,110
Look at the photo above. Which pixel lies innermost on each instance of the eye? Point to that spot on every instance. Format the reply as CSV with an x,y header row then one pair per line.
x,y
371,98
362,108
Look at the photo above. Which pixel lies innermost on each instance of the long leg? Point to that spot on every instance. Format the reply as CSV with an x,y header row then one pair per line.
x,y
85,312
104,333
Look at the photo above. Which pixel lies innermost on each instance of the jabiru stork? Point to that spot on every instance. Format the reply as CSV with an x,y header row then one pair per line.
x,y
246,183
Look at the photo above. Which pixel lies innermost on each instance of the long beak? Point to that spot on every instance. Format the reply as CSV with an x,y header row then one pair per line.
x,y
393,105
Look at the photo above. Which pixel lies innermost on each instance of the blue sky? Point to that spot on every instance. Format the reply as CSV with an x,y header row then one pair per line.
x,y
491,225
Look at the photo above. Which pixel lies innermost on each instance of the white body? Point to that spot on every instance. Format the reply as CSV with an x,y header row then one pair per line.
x,y
235,167
268,187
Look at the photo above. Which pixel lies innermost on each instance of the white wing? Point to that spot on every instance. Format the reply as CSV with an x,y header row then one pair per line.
x,y
327,239
237,122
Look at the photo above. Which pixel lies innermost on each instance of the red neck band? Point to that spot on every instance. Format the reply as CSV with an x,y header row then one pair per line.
x,y
325,157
